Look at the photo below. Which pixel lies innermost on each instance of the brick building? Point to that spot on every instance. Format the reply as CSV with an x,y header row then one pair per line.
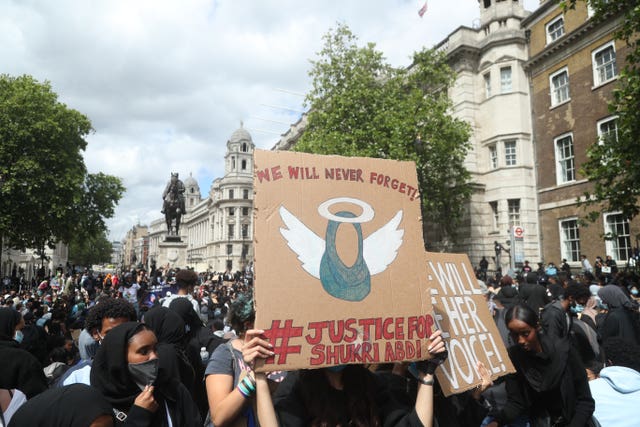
x,y
573,68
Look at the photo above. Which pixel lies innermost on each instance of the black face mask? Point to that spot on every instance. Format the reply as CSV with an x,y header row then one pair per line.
x,y
144,373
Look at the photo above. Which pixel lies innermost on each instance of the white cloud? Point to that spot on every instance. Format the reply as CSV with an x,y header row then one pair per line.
x,y
165,83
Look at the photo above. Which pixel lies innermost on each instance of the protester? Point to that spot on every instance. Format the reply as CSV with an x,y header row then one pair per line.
x,y
340,395
102,317
621,319
169,329
550,383
186,281
77,405
125,371
227,372
19,369
533,294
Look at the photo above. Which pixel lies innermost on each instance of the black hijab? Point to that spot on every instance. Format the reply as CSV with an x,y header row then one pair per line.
x,y
184,308
544,370
110,371
169,329
9,319
76,405
166,324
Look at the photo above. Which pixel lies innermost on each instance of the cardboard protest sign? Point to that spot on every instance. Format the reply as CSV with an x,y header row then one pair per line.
x,y
339,260
461,312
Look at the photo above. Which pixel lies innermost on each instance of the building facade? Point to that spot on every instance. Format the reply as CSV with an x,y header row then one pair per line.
x,y
218,229
492,94
573,68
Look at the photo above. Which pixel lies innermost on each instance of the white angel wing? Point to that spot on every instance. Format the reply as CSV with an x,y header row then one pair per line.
x,y
303,241
381,247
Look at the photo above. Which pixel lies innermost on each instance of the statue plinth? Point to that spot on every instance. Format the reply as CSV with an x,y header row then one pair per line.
x,y
172,251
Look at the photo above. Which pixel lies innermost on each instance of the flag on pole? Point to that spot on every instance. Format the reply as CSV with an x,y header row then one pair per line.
x,y
423,9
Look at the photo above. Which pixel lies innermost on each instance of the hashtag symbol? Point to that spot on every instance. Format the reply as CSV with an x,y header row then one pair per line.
x,y
279,337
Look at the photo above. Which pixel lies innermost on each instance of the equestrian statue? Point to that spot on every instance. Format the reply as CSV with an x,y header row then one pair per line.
x,y
173,204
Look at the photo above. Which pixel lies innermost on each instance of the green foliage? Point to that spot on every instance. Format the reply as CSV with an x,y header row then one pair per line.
x,y
614,166
44,185
361,106
92,250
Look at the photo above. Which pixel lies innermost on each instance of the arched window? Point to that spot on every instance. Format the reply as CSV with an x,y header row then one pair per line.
x,y
244,147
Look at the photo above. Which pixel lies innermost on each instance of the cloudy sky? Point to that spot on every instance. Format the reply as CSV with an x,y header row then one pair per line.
x,y
166,82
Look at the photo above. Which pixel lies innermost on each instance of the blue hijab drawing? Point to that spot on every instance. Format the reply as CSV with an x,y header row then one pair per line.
x,y
319,257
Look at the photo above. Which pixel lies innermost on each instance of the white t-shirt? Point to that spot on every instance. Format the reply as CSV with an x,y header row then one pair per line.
x,y
131,293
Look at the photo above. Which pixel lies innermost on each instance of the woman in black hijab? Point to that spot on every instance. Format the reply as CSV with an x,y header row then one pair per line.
x,y
19,369
125,371
76,405
621,320
550,383
169,329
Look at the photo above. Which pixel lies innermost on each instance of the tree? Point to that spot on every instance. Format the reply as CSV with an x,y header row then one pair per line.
x,y
46,194
361,106
92,250
613,164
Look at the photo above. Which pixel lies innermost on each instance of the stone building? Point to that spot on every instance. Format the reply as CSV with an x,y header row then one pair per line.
x,y
216,231
492,94
134,252
573,67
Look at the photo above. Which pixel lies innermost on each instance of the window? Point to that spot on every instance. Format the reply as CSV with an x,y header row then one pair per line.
x,y
230,233
555,29
617,237
245,251
494,214
608,130
565,161
245,231
493,156
245,211
232,211
245,194
604,64
487,85
559,83
514,212
229,249
570,239
243,165
505,79
233,163
231,194
510,153
244,147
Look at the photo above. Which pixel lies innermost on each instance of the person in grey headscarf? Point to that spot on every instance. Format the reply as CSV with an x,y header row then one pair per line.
x,y
622,318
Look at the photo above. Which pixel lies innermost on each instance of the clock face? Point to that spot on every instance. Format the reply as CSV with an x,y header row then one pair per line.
x,y
172,255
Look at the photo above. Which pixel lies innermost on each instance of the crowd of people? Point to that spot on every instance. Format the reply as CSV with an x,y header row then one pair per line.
x,y
176,348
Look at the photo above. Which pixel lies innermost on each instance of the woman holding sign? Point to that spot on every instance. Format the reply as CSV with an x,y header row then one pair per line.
x,y
341,395
550,385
